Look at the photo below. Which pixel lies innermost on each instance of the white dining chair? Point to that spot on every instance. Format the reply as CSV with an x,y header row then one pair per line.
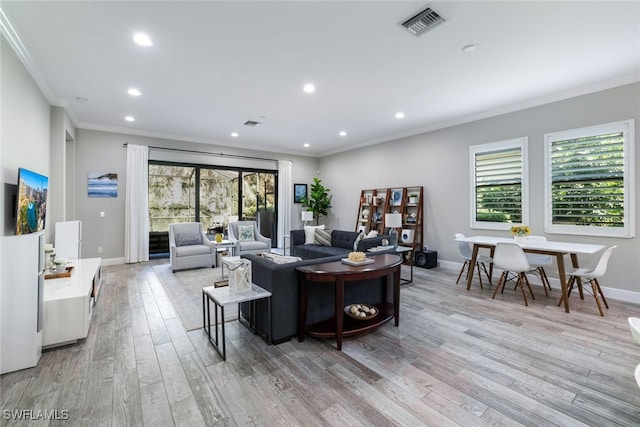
x,y
634,325
590,274
464,249
538,262
510,257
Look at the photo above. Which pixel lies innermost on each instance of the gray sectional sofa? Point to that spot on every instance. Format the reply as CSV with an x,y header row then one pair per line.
x,y
342,242
282,281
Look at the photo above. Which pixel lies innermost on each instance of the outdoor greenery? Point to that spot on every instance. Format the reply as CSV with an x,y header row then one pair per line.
x,y
318,201
173,189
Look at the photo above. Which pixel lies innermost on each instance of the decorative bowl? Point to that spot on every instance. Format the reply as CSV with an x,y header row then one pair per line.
x,y
361,311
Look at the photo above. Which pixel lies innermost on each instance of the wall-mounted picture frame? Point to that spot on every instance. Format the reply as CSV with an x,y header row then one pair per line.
x,y
102,184
299,192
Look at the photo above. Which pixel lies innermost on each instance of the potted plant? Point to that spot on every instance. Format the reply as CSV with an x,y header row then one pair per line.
x,y
318,201
413,198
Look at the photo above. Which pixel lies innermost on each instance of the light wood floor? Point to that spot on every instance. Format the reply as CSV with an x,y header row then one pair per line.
x,y
457,358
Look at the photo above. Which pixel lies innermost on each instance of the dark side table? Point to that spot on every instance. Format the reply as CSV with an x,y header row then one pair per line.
x,y
339,274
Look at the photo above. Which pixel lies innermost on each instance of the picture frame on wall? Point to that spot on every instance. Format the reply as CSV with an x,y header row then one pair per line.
x,y
299,192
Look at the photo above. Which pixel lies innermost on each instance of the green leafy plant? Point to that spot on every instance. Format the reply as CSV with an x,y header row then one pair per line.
x,y
318,201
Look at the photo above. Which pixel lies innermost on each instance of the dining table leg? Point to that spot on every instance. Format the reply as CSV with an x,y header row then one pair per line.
x,y
563,279
472,265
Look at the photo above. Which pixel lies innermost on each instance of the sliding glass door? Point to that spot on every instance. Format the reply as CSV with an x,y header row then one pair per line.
x,y
210,195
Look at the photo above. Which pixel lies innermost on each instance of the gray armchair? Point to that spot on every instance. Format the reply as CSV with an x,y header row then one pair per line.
x,y
189,246
244,245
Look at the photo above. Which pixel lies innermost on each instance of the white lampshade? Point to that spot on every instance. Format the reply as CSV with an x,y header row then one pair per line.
x,y
307,216
393,220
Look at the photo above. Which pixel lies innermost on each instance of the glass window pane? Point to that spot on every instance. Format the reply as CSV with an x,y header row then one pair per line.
x,y
218,196
171,195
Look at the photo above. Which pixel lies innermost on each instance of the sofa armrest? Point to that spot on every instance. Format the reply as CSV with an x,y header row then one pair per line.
x,y
371,242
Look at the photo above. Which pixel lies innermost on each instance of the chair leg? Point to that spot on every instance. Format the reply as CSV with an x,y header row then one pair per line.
x,y
502,282
462,270
595,295
569,287
484,267
601,294
579,281
521,276
546,279
526,280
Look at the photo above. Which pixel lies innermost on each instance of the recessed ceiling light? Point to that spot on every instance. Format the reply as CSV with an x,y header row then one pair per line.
x,y
469,48
306,145
130,119
234,134
134,92
142,39
343,133
81,99
309,88
399,115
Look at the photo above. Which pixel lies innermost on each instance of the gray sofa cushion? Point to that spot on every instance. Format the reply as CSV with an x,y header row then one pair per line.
x,y
186,239
192,250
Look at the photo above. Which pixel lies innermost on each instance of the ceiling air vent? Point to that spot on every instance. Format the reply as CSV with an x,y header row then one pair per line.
x,y
423,22
252,123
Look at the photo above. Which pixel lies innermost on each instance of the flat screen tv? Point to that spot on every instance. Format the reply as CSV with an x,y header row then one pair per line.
x,y
31,206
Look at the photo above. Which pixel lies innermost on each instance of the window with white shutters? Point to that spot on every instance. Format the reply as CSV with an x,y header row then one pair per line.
x,y
589,175
499,184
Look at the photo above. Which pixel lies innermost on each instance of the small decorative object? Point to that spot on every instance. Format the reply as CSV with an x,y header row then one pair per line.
x,y
396,197
299,192
520,232
102,184
375,200
393,221
240,276
356,256
365,213
218,229
385,242
413,198
361,311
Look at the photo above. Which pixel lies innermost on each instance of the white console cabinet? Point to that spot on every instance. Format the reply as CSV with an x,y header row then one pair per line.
x,y
68,303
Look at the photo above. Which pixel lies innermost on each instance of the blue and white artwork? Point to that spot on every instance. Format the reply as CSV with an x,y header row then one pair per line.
x,y
102,185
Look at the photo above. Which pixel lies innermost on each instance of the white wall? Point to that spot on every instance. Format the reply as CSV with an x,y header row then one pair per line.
x,y
24,128
438,161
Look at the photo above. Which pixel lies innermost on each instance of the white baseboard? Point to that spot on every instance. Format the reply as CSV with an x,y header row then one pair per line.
x,y
112,261
609,293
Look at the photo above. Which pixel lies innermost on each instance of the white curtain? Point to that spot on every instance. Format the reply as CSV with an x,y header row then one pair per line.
x,y
136,222
285,199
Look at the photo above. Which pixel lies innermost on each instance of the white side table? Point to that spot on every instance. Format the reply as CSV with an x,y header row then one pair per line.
x,y
222,297
226,244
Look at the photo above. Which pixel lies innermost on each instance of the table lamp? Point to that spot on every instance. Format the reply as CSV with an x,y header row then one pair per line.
x,y
393,221
307,216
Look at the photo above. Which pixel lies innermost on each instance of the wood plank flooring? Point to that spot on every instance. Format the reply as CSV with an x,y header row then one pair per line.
x,y
457,358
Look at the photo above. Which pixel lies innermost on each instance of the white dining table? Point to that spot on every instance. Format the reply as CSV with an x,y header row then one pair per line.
x,y
548,247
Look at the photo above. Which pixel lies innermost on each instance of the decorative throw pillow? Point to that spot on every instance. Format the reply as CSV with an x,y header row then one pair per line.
x,y
322,237
355,243
372,233
245,232
187,239
310,233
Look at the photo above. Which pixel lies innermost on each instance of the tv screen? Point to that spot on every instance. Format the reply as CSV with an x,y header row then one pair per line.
x,y
31,212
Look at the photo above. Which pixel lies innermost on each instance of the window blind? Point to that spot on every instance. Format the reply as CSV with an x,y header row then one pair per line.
x,y
498,186
587,181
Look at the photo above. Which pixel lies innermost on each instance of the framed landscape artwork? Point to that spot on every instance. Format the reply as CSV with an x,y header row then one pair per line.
x,y
299,192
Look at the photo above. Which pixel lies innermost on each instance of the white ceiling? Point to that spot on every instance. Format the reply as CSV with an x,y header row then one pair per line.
x,y
215,65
